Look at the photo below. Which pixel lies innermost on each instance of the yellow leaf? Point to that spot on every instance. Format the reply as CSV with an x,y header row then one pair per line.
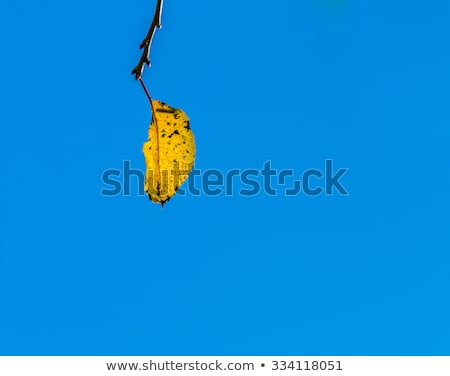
x,y
169,152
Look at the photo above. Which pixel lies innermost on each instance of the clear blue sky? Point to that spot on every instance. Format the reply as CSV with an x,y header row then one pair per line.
x,y
363,83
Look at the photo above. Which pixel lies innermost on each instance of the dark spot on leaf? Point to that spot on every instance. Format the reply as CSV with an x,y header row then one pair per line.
x,y
166,110
174,132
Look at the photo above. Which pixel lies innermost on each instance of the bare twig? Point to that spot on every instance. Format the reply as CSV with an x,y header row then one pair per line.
x,y
147,42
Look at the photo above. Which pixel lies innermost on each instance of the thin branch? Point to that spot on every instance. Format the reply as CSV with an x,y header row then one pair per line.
x,y
147,42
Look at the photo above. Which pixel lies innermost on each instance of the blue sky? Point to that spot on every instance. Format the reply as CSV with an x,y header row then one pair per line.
x,y
365,84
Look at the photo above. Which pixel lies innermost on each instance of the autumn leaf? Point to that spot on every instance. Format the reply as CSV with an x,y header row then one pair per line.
x,y
169,152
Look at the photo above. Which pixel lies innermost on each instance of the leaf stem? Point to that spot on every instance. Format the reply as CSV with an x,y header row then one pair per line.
x,y
148,96
154,121
145,90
